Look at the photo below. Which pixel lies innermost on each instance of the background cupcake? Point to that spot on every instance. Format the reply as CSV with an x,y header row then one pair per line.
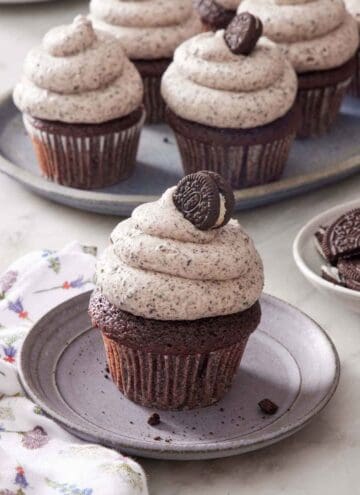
x,y
177,296
82,104
353,6
149,30
232,110
216,14
320,39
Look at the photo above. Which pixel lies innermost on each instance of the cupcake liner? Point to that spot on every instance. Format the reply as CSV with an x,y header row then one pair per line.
x,y
173,382
245,158
153,101
354,88
85,159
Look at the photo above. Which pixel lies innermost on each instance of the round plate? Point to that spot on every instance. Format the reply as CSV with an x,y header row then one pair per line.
x,y
289,360
310,262
312,164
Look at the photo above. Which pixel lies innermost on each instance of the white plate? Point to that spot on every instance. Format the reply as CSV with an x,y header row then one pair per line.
x,y
309,260
289,360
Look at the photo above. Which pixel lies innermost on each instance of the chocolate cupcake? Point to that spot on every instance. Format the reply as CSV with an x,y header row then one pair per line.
x,y
81,100
230,101
353,6
320,39
177,296
149,30
216,14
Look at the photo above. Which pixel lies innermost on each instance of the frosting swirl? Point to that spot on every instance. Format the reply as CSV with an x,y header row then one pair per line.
x,y
160,266
78,75
148,29
314,35
210,85
353,6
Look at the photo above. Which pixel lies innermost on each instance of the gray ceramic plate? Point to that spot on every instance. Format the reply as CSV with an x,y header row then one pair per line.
x,y
290,360
312,164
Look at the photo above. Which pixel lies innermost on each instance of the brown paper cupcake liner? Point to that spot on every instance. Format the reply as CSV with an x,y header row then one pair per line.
x,y
320,96
173,382
86,156
245,158
354,88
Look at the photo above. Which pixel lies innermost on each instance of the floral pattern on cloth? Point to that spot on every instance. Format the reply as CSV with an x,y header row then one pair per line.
x,y
36,455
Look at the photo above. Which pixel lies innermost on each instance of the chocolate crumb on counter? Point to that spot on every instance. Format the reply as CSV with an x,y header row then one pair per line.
x,y
154,420
268,407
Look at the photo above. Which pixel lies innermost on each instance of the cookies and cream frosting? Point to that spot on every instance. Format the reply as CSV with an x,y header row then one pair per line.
x,y
228,4
148,29
78,75
353,6
160,266
313,34
209,84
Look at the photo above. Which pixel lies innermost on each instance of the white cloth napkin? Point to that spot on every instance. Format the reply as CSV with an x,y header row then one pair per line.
x,y
36,455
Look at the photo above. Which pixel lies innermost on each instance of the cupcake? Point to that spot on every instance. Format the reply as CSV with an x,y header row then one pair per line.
x,y
216,14
177,296
320,39
149,30
81,100
353,6
230,101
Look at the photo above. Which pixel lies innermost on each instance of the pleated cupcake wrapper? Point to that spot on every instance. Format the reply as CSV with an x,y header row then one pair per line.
x,y
86,162
153,101
242,165
173,382
320,107
354,88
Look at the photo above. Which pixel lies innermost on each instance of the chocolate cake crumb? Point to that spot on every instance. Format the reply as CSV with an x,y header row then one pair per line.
x,y
268,407
157,439
154,420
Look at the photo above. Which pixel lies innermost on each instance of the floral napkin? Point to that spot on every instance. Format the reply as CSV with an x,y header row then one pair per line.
x,y
36,455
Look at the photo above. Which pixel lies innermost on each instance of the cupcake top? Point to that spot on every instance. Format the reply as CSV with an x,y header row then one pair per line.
x,y
313,34
210,84
353,6
148,29
162,266
78,75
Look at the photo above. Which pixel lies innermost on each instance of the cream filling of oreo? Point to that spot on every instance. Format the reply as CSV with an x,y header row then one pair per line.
x,y
222,212
332,272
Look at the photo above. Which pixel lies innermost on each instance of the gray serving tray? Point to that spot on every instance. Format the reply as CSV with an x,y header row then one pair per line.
x,y
289,359
312,164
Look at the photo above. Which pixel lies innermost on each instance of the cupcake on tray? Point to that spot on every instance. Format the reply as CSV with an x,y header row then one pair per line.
x,y
216,14
149,30
81,100
353,6
177,296
230,101
320,39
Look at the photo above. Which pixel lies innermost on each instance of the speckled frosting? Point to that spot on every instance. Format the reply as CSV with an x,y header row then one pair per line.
x,y
160,266
228,4
313,34
210,85
78,75
148,29
353,6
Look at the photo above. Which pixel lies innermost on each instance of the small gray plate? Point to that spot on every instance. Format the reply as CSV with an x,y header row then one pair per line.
x,y
312,164
290,360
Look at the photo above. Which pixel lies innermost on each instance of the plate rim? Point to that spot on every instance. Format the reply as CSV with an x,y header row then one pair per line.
x,y
301,239
205,450
257,196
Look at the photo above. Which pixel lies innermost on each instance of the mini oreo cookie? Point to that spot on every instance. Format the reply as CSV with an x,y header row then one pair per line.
x,y
205,199
342,238
213,13
243,33
349,272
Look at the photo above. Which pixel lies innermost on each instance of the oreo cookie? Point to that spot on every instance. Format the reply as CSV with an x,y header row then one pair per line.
x,y
349,272
243,33
213,13
342,238
205,199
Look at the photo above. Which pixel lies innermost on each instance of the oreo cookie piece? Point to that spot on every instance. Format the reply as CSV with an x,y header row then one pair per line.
x,y
349,272
205,199
342,238
243,33
213,13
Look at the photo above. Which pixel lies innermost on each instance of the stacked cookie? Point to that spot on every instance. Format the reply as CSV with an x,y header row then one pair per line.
x,y
339,245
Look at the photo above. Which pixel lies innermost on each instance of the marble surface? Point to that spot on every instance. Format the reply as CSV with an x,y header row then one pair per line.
x,y
321,459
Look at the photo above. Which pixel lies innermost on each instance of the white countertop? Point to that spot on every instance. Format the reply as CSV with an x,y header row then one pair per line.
x,y
321,459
